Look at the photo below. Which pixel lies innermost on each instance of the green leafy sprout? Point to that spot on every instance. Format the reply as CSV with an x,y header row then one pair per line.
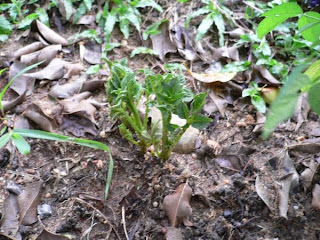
x,y
256,98
165,92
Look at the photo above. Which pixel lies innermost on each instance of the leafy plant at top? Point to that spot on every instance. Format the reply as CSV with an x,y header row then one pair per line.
x,y
125,13
300,79
213,16
167,93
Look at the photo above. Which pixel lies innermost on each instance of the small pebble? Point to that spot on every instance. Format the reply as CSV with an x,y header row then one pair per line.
x,y
13,188
30,171
44,211
47,195
155,204
157,187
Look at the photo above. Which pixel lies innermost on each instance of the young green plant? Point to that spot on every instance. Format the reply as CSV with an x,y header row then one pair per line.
x,y
167,93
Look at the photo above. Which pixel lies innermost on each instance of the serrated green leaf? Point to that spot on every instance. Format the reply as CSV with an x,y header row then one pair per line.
x,y
126,133
152,29
68,7
198,102
314,98
21,144
236,66
276,16
182,110
4,139
143,50
200,121
28,20
111,20
94,69
284,105
204,26
309,26
5,26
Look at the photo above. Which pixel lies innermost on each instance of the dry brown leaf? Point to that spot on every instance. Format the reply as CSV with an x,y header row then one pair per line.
x,y
46,54
308,174
220,102
28,49
28,202
35,114
177,206
78,126
8,105
9,223
283,188
212,77
316,197
20,122
22,83
46,235
161,42
265,193
50,35
93,52
302,110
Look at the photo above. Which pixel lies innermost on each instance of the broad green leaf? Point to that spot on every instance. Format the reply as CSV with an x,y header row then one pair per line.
x,y
198,102
43,16
197,13
200,121
5,26
4,139
110,46
218,21
276,16
88,4
204,26
309,26
259,103
143,50
314,72
182,110
124,27
152,29
111,20
314,98
28,20
147,3
236,66
81,10
94,69
21,144
68,8
284,105
3,38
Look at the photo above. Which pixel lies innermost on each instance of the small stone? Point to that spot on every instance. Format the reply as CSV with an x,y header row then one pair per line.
x,y
228,124
157,187
30,171
44,211
155,204
47,195
301,138
13,188
241,124
102,134
227,213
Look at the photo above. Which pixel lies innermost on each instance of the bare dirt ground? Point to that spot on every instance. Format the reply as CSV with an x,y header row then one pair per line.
x,y
222,171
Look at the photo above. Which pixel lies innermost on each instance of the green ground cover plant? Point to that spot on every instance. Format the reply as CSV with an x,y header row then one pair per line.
x,y
167,92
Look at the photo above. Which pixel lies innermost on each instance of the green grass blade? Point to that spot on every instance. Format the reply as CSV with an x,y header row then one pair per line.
x,y
21,144
4,139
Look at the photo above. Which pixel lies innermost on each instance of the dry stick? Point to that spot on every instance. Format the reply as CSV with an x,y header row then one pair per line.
x,y
101,214
124,222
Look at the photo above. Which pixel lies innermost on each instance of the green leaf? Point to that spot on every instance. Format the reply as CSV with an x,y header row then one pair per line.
x,y
152,29
259,103
94,69
3,38
43,16
68,8
126,133
88,4
81,10
5,26
276,16
204,26
284,105
309,26
125,27
4,139
236,66
143,50
26,22
197,13
111,20
314,98
182,110
198,102
147,3
200,121
218,21
314,71
21,144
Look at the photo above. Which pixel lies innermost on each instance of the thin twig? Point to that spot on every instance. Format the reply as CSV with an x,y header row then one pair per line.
x,y
124,222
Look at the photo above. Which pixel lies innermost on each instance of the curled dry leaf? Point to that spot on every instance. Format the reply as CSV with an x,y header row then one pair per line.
x,y
161,42
28,49
213,77
302,110
57,69
50,35
78,126
308,174
265,192
46,54
9,223
35,114
92,52
283,188
220,102
8,105
22,83
46,235
316,197
287,167
177,206
28,202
